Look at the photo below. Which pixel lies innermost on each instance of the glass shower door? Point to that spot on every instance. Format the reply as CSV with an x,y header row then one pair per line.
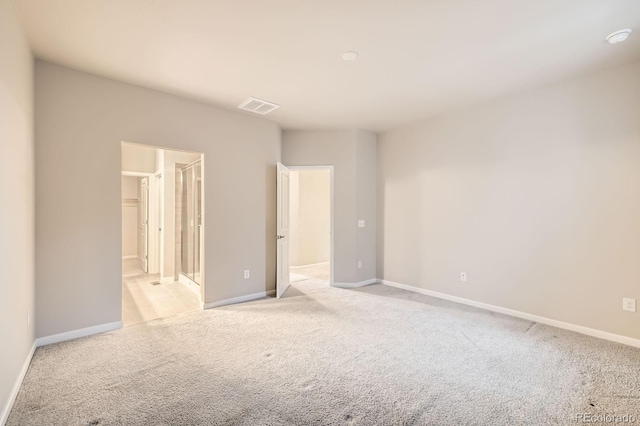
x,y
197,210
191,221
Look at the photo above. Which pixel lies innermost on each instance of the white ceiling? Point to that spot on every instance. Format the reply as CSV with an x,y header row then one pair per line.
x,y
417,57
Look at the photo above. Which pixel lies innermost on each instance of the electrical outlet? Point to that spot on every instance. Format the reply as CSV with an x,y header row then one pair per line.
x,y
361,223
247,274
359,264
463,276
628,304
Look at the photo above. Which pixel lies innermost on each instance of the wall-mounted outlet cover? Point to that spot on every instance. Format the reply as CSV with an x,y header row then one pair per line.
x,y
463,276
628,304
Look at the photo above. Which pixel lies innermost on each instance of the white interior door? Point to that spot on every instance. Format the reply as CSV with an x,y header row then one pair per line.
x,y
282,226
160,223
144,224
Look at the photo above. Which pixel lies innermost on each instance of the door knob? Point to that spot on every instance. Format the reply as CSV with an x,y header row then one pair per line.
x,y
279,237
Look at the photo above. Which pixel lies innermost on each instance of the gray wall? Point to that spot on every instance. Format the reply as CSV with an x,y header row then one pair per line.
x,y
81,120
365,197
17,195
353,155
536,197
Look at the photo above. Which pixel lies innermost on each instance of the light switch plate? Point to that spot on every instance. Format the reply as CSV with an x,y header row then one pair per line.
x,y
247,274
361,223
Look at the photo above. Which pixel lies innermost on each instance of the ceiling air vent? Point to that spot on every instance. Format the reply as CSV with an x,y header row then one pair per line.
x,y
258,106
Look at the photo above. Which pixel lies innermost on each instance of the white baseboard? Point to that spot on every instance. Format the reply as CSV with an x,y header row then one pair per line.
x,y
625,340
4,416
239,299
190,284
75,334
131,275
167,280
356,285
309,265
134,256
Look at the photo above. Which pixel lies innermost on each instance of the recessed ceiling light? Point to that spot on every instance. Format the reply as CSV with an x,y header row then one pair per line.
x,y
618,36
350,55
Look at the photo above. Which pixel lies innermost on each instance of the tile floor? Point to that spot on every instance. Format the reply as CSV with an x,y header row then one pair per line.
x,y
131,268
319,272
143,301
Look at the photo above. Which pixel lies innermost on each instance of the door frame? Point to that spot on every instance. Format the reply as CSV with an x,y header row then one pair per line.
x,y
331,211
158,207
144,216
157,211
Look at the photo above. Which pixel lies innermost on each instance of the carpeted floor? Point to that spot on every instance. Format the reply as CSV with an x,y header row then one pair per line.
x,y
372,356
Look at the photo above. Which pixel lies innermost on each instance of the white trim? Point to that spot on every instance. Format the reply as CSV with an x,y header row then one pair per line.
x,y
203,228
518,314
143,186
239,299
154,225
131,257
309,265
136,174
167,280
330,168
75,334
355,285
16,386
133,275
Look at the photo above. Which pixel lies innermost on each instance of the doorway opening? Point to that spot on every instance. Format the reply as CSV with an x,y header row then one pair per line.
x,y
162,232
305,228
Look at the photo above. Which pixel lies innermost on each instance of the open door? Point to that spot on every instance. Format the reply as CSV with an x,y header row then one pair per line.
x,y
282,226
159,199
144,224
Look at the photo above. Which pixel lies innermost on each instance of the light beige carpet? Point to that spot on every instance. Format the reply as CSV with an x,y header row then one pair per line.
x,y
373,356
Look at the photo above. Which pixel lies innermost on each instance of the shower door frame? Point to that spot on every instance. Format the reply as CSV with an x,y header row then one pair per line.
x,y
198,224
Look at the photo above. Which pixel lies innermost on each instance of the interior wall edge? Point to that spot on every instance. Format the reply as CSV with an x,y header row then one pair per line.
x,y
4,416
17,190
